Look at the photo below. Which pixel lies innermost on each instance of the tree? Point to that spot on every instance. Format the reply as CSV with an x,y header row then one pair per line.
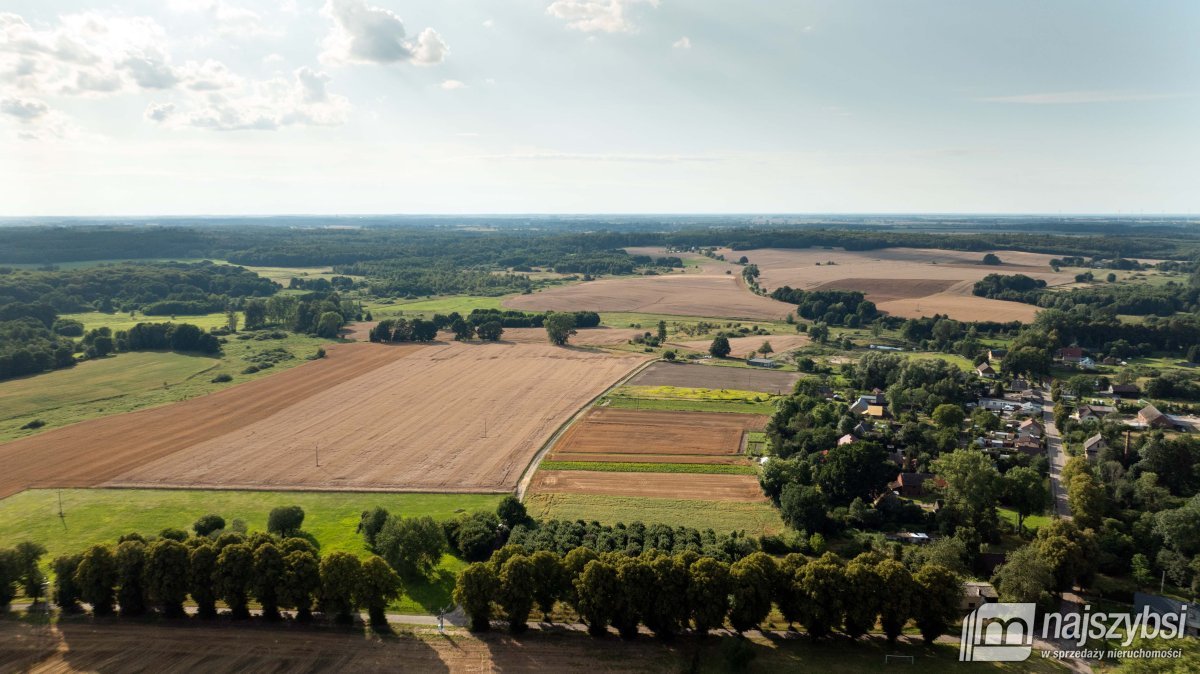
x,y
301,582
720,347
803,507
10,573
329,324
1025,577
378,586
948,415
708,593
863,596
511,511
991,259
412,545
1088,500
638,594
490,331
208,524
820,584
66,590
896,604
32,580
371,523
231,320
232,575
858,469
1025,492
475,589
972,483
270,572
559,327
752,580
462,330
766,348
255,314
518,584
476,537
549,579
167,568
1193,354
96,576
1070,553
598,593
668,611
939,593
341,576
285,520
662,331
202,568
819,332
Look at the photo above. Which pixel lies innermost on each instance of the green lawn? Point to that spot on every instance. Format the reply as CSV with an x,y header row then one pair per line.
x,y
1031,522
755,518
123,321
962,363
634,467
101,515
132,381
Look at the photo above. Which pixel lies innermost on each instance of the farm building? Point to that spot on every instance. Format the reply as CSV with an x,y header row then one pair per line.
x,y
762,362
911,485
985,370
1150,417
1019,386
996,355
1124,391
977,593
1093,446
1097,412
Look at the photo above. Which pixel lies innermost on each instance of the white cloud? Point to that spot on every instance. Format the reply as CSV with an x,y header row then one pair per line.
x,y
23,109
35,120
209,76
488,23
683,43
1076,97
230,20
264,106
589,16
453,84
365,33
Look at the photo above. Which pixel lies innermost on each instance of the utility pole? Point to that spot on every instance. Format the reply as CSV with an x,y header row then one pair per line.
x,y
317,454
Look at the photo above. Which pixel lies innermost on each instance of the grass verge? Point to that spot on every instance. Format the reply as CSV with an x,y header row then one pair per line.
x,y
753,518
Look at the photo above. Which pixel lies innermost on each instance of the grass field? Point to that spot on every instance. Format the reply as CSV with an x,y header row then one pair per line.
x,y
1031,522
962,363
101,515
123,321
754,518
666,404
463,304
757,443
132,381
634,467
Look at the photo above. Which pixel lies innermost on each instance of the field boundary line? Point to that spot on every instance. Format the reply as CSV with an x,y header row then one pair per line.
x,y
531,468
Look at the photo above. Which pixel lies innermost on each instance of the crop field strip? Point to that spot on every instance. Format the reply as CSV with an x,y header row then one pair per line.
x,y
633,432
710,377
689,486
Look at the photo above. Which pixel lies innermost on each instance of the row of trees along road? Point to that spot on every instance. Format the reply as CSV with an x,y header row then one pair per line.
x,y
669,594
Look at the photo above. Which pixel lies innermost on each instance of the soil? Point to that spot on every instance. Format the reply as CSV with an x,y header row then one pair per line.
x,y
696,486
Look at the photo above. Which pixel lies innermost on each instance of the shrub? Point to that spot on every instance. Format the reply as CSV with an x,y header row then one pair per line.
x,y
222,378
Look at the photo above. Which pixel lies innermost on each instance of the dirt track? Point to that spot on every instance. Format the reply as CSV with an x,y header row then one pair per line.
x,y
716,377
660,485
89,453
449,417
636,432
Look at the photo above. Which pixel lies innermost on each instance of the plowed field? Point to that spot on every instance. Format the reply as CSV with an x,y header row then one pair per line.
x,y
661,485
635,432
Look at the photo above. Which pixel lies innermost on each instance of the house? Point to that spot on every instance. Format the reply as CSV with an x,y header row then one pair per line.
x,y
909,537
1087,363
762,362
1124,391
862,429
1030,428
1093,446
1150,417
1019,386
865,401
1028,445
1069,354
996,355
1162,606
846,439
877,411
1096,412
912,485
1111,360
975,594
985,370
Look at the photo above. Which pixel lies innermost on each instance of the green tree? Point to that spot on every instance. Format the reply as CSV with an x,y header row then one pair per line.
x,y
662,331
10,574
708,593
96,577
371,523
896,604
231,320
462,330
752,580
270,571
378,586
638,594
285,520
490,331
208,524
329,325
820,584
232,576
302,582
1025,578
475,589
28,555
1071,554
167,567
559,327
1025,491
255,314
412,545
341,577
66,591
803,507
1088,500
549,576
597,592
972,483
511,511
202,569
949,415
668,609
819,332
720,347
939,592
863,596
518,585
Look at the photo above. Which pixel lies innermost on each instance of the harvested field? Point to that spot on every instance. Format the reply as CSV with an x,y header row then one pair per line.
x,y
454,417
89,453
647,458
637,432
696,486
679,294
907,282
744,346
715,377
584,336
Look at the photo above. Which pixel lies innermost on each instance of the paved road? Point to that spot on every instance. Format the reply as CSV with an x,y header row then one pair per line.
x,y
1058,459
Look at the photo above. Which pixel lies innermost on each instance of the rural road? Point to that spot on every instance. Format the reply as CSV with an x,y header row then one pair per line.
x,y
1058,459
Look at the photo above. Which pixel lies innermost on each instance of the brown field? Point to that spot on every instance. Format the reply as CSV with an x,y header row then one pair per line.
x,y
636,432
706,293
744,346
379,417
449,417
907,282
91,452
716,377
661,485
649,458
601,336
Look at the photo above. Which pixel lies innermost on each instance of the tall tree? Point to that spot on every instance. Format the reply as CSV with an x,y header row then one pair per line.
x,y
559,327
29,573
285,520
202,570
302,582
1025,491
896,603
379,585
96,577
753,578
939,591
1025,577
232,576
341,576
720,347
708,593
476,588
518,583
66,591
549,578
412,545
167,576
863,596
598,592
821,582
270,572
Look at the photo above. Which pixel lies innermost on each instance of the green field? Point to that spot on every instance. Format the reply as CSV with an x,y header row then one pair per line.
x,y
133,381
101,515
722,516
631,467
123,321
962,363
625,403
1031,522
757,443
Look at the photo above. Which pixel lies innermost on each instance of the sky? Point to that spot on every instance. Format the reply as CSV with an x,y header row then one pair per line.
x,y
157,107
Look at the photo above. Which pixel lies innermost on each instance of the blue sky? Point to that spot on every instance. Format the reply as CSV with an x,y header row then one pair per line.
x,y
613,106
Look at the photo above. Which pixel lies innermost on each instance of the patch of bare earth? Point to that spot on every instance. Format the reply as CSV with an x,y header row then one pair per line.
x,y
715,377
660,485
636,432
